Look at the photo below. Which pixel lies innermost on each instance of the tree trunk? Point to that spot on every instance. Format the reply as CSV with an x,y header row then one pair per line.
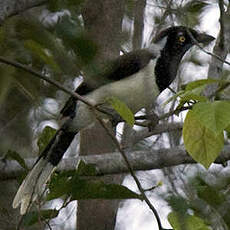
x,y
103,23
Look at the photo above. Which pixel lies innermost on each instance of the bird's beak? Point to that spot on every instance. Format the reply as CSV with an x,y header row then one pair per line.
x,y
203,38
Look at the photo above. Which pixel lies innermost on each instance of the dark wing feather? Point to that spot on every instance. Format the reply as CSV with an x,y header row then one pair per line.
x,y
128,64
120,68
69,108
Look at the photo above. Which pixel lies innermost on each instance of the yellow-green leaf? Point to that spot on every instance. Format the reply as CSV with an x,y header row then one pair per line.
x,y
195,84
201,143
213,115
122,109
186,221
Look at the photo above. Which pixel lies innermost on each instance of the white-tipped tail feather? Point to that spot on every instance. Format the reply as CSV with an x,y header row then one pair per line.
x,y
33,185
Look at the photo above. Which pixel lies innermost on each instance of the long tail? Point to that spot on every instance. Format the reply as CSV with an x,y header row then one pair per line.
x,y
33,184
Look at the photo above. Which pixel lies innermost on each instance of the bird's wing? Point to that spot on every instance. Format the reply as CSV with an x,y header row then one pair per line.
x,y
128,64
69,108
118,69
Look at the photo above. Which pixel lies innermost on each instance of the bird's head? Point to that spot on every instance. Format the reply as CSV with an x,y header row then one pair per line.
x,y
179,39
172,43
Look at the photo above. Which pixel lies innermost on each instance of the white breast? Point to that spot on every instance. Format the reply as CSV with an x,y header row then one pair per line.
x,y
137,91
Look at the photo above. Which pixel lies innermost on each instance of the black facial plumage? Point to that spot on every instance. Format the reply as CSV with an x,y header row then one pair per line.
x,y
179,39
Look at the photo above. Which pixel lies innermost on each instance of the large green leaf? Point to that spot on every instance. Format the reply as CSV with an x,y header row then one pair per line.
x,y
201,143
215,116
186,222
122,109
96,189
77,188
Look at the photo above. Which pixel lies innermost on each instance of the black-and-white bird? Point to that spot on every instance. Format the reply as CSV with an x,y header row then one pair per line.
x,y
136,78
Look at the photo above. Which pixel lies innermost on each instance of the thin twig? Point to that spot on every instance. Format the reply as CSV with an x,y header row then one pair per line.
x,y
214,55
207,52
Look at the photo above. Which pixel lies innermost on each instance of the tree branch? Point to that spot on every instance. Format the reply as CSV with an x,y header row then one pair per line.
x,y
220,50
136,136
113,163
14,7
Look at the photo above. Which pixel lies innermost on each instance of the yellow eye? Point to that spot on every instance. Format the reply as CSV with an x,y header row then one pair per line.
x,y
182,38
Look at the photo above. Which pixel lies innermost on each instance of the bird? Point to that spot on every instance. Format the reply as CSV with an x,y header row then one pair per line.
x,y
135,78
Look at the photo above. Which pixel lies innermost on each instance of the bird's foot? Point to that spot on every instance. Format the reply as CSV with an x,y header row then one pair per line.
x,y
152,121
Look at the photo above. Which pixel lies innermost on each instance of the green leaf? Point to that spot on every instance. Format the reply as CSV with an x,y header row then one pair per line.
x,y
199,83
59,185
75,187
201,143
210,194
186,222
45,137
84,169
213,115
95,189
122,109
34,217
189,96
16,156
178,204
193,91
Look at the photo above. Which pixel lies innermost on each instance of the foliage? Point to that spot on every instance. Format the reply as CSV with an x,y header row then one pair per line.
x,y
78,188
122,109
200,142
206,195
205,123
186,222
